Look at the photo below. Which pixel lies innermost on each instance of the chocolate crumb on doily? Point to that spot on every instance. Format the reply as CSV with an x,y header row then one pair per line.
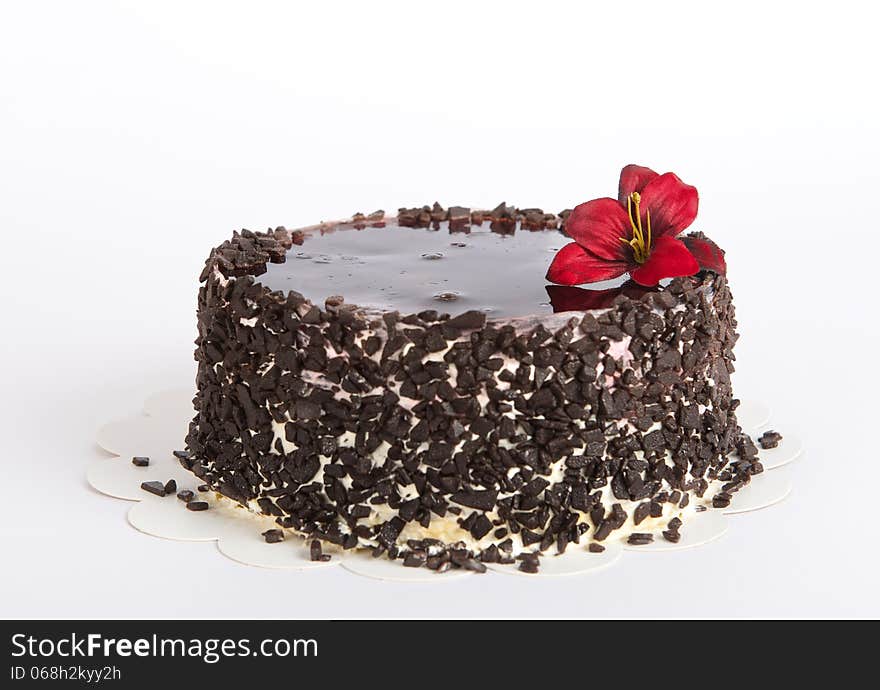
x,y
316,552
539,431
197,505
273,536
672,535
140,461
769,439
721,500
595,548
529,562
170,486
154,487
640,538
203,488
185,495
183,457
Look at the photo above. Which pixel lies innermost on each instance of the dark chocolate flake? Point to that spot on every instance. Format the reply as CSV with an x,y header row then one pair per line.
x,y
529,565
415,559
721,500
474,566
481,500
469,320
640,538
315,551
273,536
156,488
769,439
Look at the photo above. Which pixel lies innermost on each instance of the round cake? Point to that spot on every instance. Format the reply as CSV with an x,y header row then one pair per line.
x,y
412,385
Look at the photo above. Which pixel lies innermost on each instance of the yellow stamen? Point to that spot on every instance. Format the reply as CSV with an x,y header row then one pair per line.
x,y
641,239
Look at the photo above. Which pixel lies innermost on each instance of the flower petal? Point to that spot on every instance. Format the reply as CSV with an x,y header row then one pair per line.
x,y
669,258
672,203
708,254
633,178
574,265
598,226
568,298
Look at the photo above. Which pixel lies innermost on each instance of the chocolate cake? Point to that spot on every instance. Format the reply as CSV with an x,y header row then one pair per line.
x,y
411,385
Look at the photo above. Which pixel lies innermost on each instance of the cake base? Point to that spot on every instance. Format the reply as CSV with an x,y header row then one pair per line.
x,y
157,433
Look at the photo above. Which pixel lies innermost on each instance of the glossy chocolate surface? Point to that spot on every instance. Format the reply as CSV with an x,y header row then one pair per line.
x,y
495,267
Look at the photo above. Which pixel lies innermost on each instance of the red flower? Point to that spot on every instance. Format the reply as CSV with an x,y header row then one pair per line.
x,y
635,234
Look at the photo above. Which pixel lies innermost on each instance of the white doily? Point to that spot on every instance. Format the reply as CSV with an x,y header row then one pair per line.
x,y
237,531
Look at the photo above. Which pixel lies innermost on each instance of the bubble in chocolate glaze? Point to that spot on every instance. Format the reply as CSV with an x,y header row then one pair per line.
x,y
446,296
432,256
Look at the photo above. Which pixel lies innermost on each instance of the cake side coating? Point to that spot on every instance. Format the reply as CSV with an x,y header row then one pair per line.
x,y
446,439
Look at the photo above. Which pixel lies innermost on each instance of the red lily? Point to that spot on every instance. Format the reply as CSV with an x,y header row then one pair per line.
x,y
635,233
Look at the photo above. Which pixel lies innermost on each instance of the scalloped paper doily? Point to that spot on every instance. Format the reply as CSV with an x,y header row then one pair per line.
x,y
238,532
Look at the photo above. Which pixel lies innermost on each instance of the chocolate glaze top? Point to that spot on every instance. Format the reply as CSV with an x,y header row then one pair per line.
x,y
497,268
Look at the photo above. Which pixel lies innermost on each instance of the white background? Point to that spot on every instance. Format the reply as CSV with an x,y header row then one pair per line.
x,y
136,136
